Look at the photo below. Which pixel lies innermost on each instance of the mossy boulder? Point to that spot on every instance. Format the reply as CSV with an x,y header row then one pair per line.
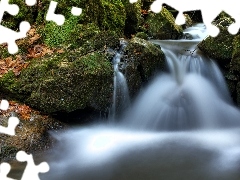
x,y
162,25
235,62
97,15
143,59
235,66
219,48
134,17
142,35
64,82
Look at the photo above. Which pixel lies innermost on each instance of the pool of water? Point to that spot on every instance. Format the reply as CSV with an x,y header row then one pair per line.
x,y
108,153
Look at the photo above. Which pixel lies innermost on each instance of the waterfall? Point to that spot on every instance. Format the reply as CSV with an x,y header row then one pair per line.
x,y
183,125
121,98
192,95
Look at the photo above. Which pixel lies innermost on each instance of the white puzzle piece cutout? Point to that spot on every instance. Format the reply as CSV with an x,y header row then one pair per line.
x,y
4,105
4,170
12,121
12,9
51,16
31,2
10,129
7,35
133,1
31,171
76,11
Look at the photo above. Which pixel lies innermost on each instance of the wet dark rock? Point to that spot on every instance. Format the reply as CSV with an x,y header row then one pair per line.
x,y
143,59
162,25
219,48
32,136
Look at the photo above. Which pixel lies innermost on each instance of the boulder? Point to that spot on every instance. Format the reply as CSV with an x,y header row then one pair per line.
x,y
219,48
235,62
142,60
32,135
162,25
64,82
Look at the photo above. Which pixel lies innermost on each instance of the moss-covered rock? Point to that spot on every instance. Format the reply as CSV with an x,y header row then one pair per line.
x,y
106,14
64,82
142,35
143,59
134,18
220,47
162,25
235,62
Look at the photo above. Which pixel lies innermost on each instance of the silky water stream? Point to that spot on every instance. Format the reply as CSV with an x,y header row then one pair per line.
x,y
182,126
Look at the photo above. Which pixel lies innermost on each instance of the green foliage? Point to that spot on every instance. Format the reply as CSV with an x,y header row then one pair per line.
x,y
8,83
55,35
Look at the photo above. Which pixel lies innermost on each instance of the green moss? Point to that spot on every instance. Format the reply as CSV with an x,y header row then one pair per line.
x,y
65,82
4,52
104,13
134,17
142,35
235,62
162,25
99,41
8,83
97,15
66,34
220,47
114,15
144,59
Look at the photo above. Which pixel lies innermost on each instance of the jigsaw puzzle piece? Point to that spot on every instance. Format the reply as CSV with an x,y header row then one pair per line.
x,y
231,8
31,171
12,9
12,124
9,36
51,16
4,170
208,15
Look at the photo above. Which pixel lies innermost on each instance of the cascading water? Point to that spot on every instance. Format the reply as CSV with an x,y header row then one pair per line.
x,y
121,98
192,95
